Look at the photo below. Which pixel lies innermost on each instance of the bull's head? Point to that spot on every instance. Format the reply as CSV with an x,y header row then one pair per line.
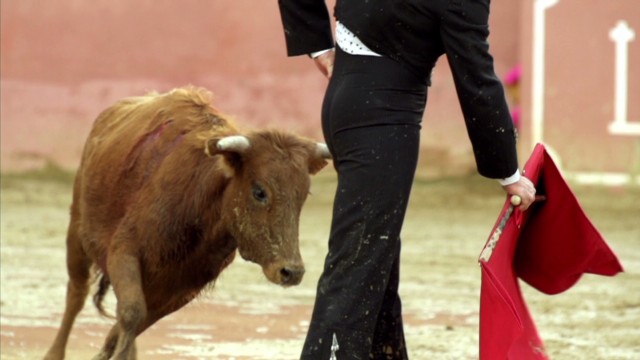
x,y
269,180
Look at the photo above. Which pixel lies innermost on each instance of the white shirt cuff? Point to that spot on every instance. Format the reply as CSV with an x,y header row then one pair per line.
x,y
511,179
315,54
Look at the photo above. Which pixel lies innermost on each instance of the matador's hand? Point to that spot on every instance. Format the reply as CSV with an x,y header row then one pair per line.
x,y
524,190
325,61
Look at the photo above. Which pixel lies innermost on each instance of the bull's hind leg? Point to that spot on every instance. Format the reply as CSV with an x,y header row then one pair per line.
x,y
126,279
78,267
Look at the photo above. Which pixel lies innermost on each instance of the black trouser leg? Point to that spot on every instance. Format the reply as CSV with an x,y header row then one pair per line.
x,y
371,121
357,297
388,338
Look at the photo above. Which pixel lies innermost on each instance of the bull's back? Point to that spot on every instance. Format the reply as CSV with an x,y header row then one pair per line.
x,y
128,144
133,124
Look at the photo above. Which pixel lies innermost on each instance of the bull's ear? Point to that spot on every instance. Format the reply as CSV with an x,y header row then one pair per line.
x,y
230,147
318,158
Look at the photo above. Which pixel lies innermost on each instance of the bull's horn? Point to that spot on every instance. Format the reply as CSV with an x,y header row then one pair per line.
x,y
235,143
323,151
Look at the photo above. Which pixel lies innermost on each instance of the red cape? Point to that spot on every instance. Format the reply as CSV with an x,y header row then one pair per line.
x,y
549,246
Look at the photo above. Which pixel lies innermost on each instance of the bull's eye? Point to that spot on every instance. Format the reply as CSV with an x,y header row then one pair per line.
x,y
259,194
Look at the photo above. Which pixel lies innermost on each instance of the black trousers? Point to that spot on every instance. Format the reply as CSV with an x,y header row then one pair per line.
x,y
371,119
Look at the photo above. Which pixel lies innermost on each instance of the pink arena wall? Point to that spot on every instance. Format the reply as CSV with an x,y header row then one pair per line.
x,y
579,97
62,62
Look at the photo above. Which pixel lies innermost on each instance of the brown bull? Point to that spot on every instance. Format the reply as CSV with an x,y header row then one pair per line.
x,y
166,192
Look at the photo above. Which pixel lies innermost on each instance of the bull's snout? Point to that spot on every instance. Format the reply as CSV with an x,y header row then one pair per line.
x,y
287,274
290,276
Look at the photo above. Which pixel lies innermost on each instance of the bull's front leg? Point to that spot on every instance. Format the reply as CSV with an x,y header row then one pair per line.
x,y
125,274
110,345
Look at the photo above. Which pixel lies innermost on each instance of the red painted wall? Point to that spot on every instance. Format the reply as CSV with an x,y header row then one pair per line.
x,y
579,85
62,62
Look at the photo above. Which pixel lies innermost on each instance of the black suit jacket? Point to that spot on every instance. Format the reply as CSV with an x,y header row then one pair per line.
x,y
416,33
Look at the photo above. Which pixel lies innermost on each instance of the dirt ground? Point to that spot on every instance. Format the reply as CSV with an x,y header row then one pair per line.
x,y
245,317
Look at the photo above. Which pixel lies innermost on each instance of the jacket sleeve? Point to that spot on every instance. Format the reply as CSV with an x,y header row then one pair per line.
x,y
464,34
307,26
